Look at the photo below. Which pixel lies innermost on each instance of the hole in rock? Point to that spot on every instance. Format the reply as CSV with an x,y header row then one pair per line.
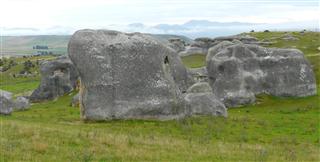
x,y
221,68
166,60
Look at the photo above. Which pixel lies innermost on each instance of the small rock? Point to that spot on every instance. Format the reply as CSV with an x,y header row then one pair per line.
x,y
6,103
21,103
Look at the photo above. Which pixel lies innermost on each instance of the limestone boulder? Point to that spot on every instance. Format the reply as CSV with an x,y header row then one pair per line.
x,y
6,103
240,71
21,103
127,76
58,77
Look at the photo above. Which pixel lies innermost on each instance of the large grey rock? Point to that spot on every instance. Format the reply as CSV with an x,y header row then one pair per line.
x,y
239,71
6,103
58,77
127,76
21,103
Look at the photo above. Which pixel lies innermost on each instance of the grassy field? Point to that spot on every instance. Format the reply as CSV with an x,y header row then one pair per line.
x,y
18,85
194,61
276,129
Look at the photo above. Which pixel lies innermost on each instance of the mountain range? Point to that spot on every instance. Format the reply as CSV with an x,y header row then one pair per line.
x,y
192,28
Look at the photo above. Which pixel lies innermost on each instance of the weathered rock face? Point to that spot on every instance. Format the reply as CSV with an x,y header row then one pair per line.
x,y
177,44
204,43
198,74
58,77
201,101
21,103
200,46
200,87
127,76
6,103
237,72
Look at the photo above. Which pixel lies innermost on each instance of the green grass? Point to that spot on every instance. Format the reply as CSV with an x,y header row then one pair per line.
x,y
194,61
276,129
53,131
21,84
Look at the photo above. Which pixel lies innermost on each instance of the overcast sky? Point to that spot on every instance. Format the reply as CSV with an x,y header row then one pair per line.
x,y
101,13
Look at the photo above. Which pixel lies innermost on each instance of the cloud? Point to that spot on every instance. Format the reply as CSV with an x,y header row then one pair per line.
x,y
77,14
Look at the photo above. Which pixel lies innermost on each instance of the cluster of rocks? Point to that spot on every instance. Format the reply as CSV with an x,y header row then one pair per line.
x,y
136,76
289,37
8,104
237,72
202,45
58,77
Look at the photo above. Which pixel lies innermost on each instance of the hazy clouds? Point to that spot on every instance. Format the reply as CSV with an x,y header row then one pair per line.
x,y
74,14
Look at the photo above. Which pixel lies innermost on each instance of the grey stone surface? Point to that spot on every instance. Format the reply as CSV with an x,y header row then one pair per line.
x,y
21,103
200,87
6,94
199,46
198,74
204,43
205,104
214,50
201,101
177,44
6,103
127,76
58,77
238,72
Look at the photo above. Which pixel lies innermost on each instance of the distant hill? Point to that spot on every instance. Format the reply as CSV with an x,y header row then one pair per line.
x,y
23,45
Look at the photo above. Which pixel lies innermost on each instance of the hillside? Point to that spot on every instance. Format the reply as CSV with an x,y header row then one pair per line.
x,y
274,129
23,45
